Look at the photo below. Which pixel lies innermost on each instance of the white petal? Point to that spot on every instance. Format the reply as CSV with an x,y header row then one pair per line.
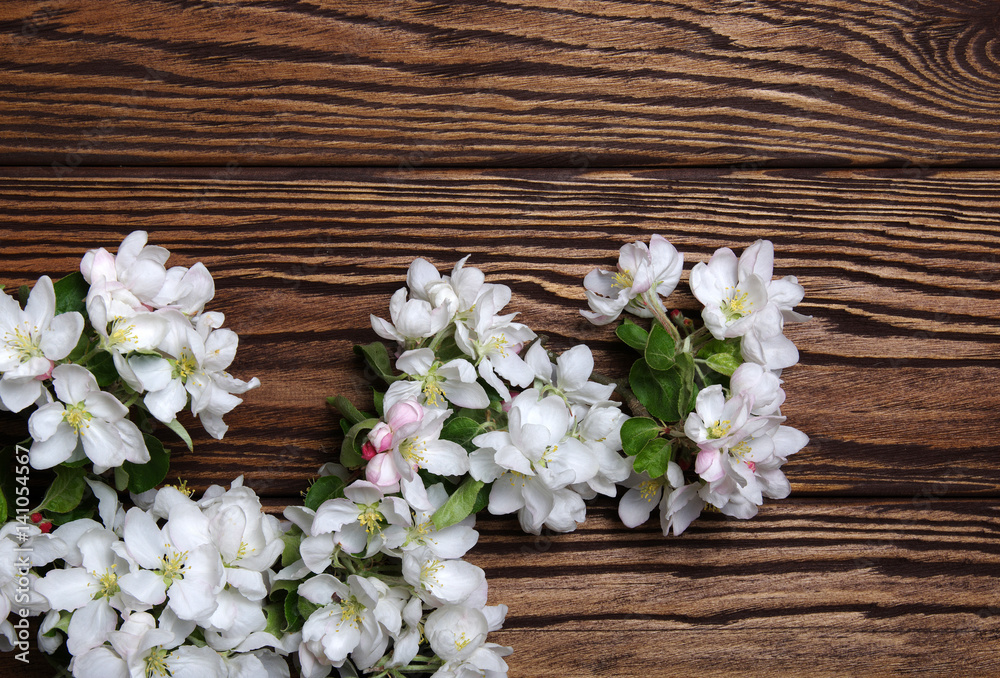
x,y
62,335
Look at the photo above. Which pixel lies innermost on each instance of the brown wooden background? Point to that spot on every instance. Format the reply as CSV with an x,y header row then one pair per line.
x,y
307,150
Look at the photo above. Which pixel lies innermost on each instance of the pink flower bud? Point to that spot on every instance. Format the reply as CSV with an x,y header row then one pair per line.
x,y
382,472
404,412
380,437
367,451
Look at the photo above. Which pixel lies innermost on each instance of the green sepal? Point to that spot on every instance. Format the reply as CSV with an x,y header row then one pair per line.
x,y
657,390
638,431
660,348
144,477
66,491
632,335
325,487
459,505
71,293
61,625
653,457
350,450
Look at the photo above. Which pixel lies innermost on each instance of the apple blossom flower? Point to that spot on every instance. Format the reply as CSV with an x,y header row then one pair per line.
x,y
31,340
493,342
458,292
88,415
412,320
532,462
195,363
129,331
741,300
570,376
457,634
420,446
356,618
435,384
355,521
134,276
760,387
644,274
453,541
443,581
22,548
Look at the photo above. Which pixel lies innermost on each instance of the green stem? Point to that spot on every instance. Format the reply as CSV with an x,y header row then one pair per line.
x,y
88,355
651,300
441,336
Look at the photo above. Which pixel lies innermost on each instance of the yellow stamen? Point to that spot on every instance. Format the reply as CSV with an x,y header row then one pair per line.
x,y
736,305
648,489
77,417
108,582
185,366
719,429
156,663
22,343
172,567
412,451
371,518
623,280
351,611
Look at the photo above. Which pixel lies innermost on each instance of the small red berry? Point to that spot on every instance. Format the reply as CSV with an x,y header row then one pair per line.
x,y
36,517
45,527
674,314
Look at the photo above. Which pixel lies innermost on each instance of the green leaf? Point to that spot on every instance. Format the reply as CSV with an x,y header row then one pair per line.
x,y
657,390
377,356
102,366
71,293
305,608
144,477
482,499
23,292
346,408
61,625
66,491
730,346
350,450
653,457
459,504
84,510
378,396
633,335
325,487
638,431
660,348
293,616
178,428
723,363
461,430
275,614
3,507
291,551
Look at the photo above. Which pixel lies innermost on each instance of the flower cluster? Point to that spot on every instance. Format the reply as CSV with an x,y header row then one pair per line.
x,y
368,577
175,588
382,590
98,352
711,431
480,406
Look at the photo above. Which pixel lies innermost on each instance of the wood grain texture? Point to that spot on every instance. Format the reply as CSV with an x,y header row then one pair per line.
x,y
895,385
810,587
406,83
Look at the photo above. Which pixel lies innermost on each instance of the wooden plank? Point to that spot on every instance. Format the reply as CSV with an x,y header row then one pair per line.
x,y
901,276
815,587
405,83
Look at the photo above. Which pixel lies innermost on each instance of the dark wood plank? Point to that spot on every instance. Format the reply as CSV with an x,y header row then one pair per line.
x,y
901,274
406,83
807,588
